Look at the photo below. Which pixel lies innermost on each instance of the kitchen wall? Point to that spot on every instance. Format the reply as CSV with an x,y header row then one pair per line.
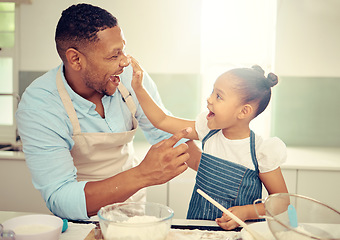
x,y
305,109
162,35
165,37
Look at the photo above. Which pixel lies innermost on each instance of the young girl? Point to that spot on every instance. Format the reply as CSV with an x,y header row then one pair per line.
x,y
235,161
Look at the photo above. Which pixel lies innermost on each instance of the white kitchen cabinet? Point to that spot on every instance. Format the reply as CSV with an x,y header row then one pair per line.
x,y
320,185
158,194
180,190
16,188
290,178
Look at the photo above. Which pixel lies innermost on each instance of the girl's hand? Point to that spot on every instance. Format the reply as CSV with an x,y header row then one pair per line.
x,y
228,223
137,75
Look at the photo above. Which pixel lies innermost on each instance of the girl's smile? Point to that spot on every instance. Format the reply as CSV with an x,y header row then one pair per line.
x,y
210,115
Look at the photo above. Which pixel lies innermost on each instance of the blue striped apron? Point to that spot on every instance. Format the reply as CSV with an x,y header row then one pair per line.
x,y
228,183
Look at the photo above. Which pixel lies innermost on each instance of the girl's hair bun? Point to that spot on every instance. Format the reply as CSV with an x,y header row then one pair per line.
x,y
258,69
272,79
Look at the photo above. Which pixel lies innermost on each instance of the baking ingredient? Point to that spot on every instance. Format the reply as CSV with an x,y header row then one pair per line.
x,y
137,228
184,234
291,235
30,229
142,219
247,236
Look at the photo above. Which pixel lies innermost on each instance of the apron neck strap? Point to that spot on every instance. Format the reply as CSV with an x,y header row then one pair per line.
x,y
252,145
252,150
65,98
212,132
127,98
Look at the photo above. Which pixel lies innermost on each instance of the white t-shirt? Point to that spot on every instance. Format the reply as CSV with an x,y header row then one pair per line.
x,y
270,153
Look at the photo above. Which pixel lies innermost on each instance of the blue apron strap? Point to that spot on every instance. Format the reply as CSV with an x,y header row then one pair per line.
x,y
212,132
252,151
252,145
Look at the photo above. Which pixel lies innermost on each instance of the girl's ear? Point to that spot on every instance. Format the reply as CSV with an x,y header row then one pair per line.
x,y
246,111
75,59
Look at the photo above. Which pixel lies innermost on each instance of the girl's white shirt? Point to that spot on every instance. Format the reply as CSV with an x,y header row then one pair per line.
x,y
270,153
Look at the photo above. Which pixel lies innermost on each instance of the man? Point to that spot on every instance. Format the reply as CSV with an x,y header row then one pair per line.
x,y
78,120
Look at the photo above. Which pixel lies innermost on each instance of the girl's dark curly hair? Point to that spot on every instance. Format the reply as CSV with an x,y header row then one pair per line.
x,y
78,26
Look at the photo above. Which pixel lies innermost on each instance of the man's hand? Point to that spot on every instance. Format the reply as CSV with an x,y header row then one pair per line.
x,y
164,162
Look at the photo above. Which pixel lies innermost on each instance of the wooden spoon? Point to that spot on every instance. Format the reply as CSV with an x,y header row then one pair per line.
x,y
255,234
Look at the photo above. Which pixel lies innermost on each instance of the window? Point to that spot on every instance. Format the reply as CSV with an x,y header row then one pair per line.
x,y
8,73
237,34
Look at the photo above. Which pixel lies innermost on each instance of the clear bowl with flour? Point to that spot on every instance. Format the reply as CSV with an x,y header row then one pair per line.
x,y
316,220
135,221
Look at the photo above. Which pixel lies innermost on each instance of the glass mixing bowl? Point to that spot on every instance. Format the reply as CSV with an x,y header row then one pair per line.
x,y
135,221
315,219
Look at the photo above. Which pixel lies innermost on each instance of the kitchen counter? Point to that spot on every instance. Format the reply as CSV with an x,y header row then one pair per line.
x,y
313,172
312,158
308,158
298,157
12,155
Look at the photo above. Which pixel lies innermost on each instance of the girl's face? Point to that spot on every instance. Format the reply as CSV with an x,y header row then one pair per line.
x,y
224,104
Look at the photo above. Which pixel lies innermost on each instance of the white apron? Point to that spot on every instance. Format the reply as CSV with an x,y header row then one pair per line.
x,y
98,156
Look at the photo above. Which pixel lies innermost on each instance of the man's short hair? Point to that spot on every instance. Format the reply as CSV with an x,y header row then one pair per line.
x,y
78,26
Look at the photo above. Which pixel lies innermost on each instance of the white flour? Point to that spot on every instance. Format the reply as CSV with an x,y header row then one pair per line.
x,y
157,231
291,235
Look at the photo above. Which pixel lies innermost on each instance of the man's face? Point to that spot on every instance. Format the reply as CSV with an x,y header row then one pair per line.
x,y
104,61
